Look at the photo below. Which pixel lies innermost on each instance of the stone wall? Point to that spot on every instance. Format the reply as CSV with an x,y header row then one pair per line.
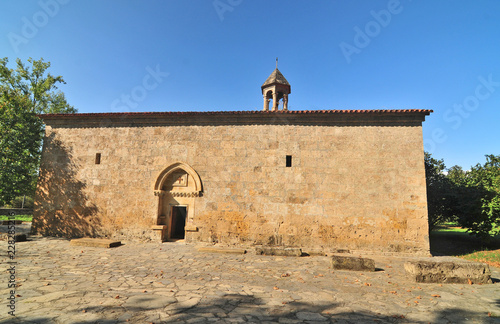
x,y
351,186
16,211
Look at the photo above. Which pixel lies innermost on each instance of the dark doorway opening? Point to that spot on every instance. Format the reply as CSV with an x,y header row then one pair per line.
x,y
178,222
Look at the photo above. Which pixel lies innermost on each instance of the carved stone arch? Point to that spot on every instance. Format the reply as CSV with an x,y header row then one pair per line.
x,y
174,167
177,187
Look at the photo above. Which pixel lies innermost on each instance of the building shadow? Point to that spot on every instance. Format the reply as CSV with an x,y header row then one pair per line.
x,y
453,243
234,308
61,207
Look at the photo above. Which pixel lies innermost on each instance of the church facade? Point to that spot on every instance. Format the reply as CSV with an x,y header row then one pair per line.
x,y
323,180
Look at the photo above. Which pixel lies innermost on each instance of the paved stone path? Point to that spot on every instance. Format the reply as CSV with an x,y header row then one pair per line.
x,y
173,282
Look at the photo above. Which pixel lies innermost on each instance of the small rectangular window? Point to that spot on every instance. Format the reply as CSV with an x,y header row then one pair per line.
x,y
98,158
288,161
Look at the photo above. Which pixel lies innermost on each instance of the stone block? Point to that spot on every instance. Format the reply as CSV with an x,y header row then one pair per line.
x,y
20,237
222,250
352,263
12,222
314,252
191,228
95,242
448,272
278,251
159,232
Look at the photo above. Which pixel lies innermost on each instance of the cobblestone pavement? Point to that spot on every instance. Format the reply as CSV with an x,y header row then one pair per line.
x,y
173,282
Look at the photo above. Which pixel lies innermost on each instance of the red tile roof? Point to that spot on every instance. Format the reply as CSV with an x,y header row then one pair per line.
x,y
252,112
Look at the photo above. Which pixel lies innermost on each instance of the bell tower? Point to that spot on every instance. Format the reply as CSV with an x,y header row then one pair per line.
x,y
276,88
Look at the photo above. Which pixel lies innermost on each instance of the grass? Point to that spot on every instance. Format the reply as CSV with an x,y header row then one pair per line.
x,y
452,228
24,218
489,257
449,239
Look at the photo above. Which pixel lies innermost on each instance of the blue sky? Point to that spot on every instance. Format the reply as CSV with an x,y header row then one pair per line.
x,y
206,55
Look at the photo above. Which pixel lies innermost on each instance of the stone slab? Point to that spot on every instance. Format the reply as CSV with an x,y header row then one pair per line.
x,y
448,272
222,250
148,302
12,222
310,316
191,228
95,242
158,227
278,251
352,263
20,237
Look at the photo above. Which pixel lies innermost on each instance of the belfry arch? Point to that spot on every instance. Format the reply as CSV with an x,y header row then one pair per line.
x,y
177,188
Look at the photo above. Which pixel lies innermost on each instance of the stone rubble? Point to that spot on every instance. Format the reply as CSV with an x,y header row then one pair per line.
x,y
174,282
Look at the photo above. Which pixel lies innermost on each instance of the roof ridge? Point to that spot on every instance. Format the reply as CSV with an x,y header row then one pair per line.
x,y
335,111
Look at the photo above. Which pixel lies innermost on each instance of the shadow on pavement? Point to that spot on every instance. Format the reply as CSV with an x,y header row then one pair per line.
x,y
247,309
452,244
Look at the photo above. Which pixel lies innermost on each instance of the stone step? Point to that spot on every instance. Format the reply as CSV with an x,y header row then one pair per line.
x,y
222,250
95,242
278,251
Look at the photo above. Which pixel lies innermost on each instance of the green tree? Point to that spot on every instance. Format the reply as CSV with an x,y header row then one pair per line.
x,y
478,197
25,92
439,192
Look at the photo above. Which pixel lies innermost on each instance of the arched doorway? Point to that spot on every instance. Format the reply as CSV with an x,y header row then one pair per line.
x,y
177,188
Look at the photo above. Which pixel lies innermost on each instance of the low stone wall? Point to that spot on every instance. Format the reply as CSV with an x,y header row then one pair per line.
x,y
16,211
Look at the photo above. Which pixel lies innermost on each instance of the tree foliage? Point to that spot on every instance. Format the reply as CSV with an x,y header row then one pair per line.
x,y
25,92
478,197
439,192
20,139
470,198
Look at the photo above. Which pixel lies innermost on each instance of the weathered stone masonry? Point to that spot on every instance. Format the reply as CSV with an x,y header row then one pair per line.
x,y
356,179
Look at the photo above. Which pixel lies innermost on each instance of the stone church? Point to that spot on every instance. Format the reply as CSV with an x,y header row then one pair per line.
x,y
315,179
